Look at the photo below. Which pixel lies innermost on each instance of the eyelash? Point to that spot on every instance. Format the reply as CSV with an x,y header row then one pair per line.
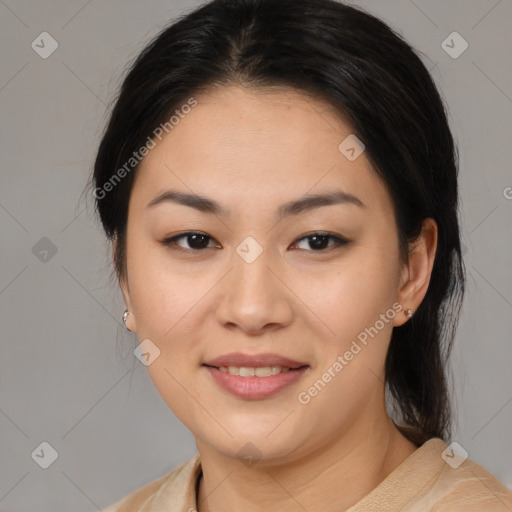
x,y
172,242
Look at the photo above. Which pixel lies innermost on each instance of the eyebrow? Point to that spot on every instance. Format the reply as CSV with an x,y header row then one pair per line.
x,y
295,207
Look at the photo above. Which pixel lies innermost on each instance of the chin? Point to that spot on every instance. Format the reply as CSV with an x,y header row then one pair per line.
x,y
255,443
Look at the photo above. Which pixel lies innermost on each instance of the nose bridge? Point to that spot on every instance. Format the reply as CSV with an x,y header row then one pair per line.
x,y
251,273
253,297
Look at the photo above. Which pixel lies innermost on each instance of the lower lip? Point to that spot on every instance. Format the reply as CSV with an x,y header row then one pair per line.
x,y
254,388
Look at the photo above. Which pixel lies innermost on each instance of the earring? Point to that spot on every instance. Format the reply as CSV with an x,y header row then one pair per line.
x,y
125,316
408,313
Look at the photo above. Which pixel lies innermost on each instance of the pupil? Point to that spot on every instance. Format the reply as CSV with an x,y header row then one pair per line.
x,y
199,245
318,241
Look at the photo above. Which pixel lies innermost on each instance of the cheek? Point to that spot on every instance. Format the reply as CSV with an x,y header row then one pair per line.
x,y
350,295
162,293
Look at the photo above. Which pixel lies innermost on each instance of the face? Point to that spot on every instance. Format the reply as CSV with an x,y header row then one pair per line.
x,y
312,286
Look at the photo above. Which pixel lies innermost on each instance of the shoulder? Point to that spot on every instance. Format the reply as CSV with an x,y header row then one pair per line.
x,y
469,487
434,478
178,483
457,483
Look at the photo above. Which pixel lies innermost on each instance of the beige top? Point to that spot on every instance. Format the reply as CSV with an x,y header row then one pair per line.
x,y
422,482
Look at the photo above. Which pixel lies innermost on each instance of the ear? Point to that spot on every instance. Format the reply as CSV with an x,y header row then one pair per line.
x,y
416,274
125,290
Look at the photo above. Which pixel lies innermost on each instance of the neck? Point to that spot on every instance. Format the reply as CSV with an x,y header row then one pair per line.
x,y
332,478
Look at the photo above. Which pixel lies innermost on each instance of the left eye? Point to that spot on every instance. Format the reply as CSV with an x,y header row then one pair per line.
x,y
319,241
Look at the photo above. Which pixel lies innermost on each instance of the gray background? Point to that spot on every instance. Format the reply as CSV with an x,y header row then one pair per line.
x,y
68,375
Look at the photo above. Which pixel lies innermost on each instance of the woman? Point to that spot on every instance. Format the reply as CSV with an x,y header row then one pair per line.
x,y
279,182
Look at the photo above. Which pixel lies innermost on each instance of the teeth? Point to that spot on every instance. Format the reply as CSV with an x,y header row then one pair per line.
x,y
246,371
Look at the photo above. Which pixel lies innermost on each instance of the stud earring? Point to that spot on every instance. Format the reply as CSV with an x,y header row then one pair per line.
x,y
125,316
408,313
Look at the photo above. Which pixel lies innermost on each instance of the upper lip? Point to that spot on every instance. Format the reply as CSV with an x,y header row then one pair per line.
x,y
254,361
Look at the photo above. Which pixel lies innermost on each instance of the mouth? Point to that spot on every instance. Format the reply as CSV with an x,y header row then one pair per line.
x,y
254,377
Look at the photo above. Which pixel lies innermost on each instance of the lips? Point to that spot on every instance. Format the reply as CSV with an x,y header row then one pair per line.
x,y
248,377
255,388
239,359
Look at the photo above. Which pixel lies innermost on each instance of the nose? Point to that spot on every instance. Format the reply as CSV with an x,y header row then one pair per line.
x,y
255,297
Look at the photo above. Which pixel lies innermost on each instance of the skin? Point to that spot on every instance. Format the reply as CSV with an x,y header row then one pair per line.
x,y
252,151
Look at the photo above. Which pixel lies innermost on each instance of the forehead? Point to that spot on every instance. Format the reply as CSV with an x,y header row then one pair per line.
x,y
249,146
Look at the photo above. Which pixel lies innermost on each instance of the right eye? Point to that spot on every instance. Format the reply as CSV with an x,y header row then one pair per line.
x,y
196,241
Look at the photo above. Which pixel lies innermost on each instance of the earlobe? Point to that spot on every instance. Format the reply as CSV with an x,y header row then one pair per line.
x,y
418,271
127,316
